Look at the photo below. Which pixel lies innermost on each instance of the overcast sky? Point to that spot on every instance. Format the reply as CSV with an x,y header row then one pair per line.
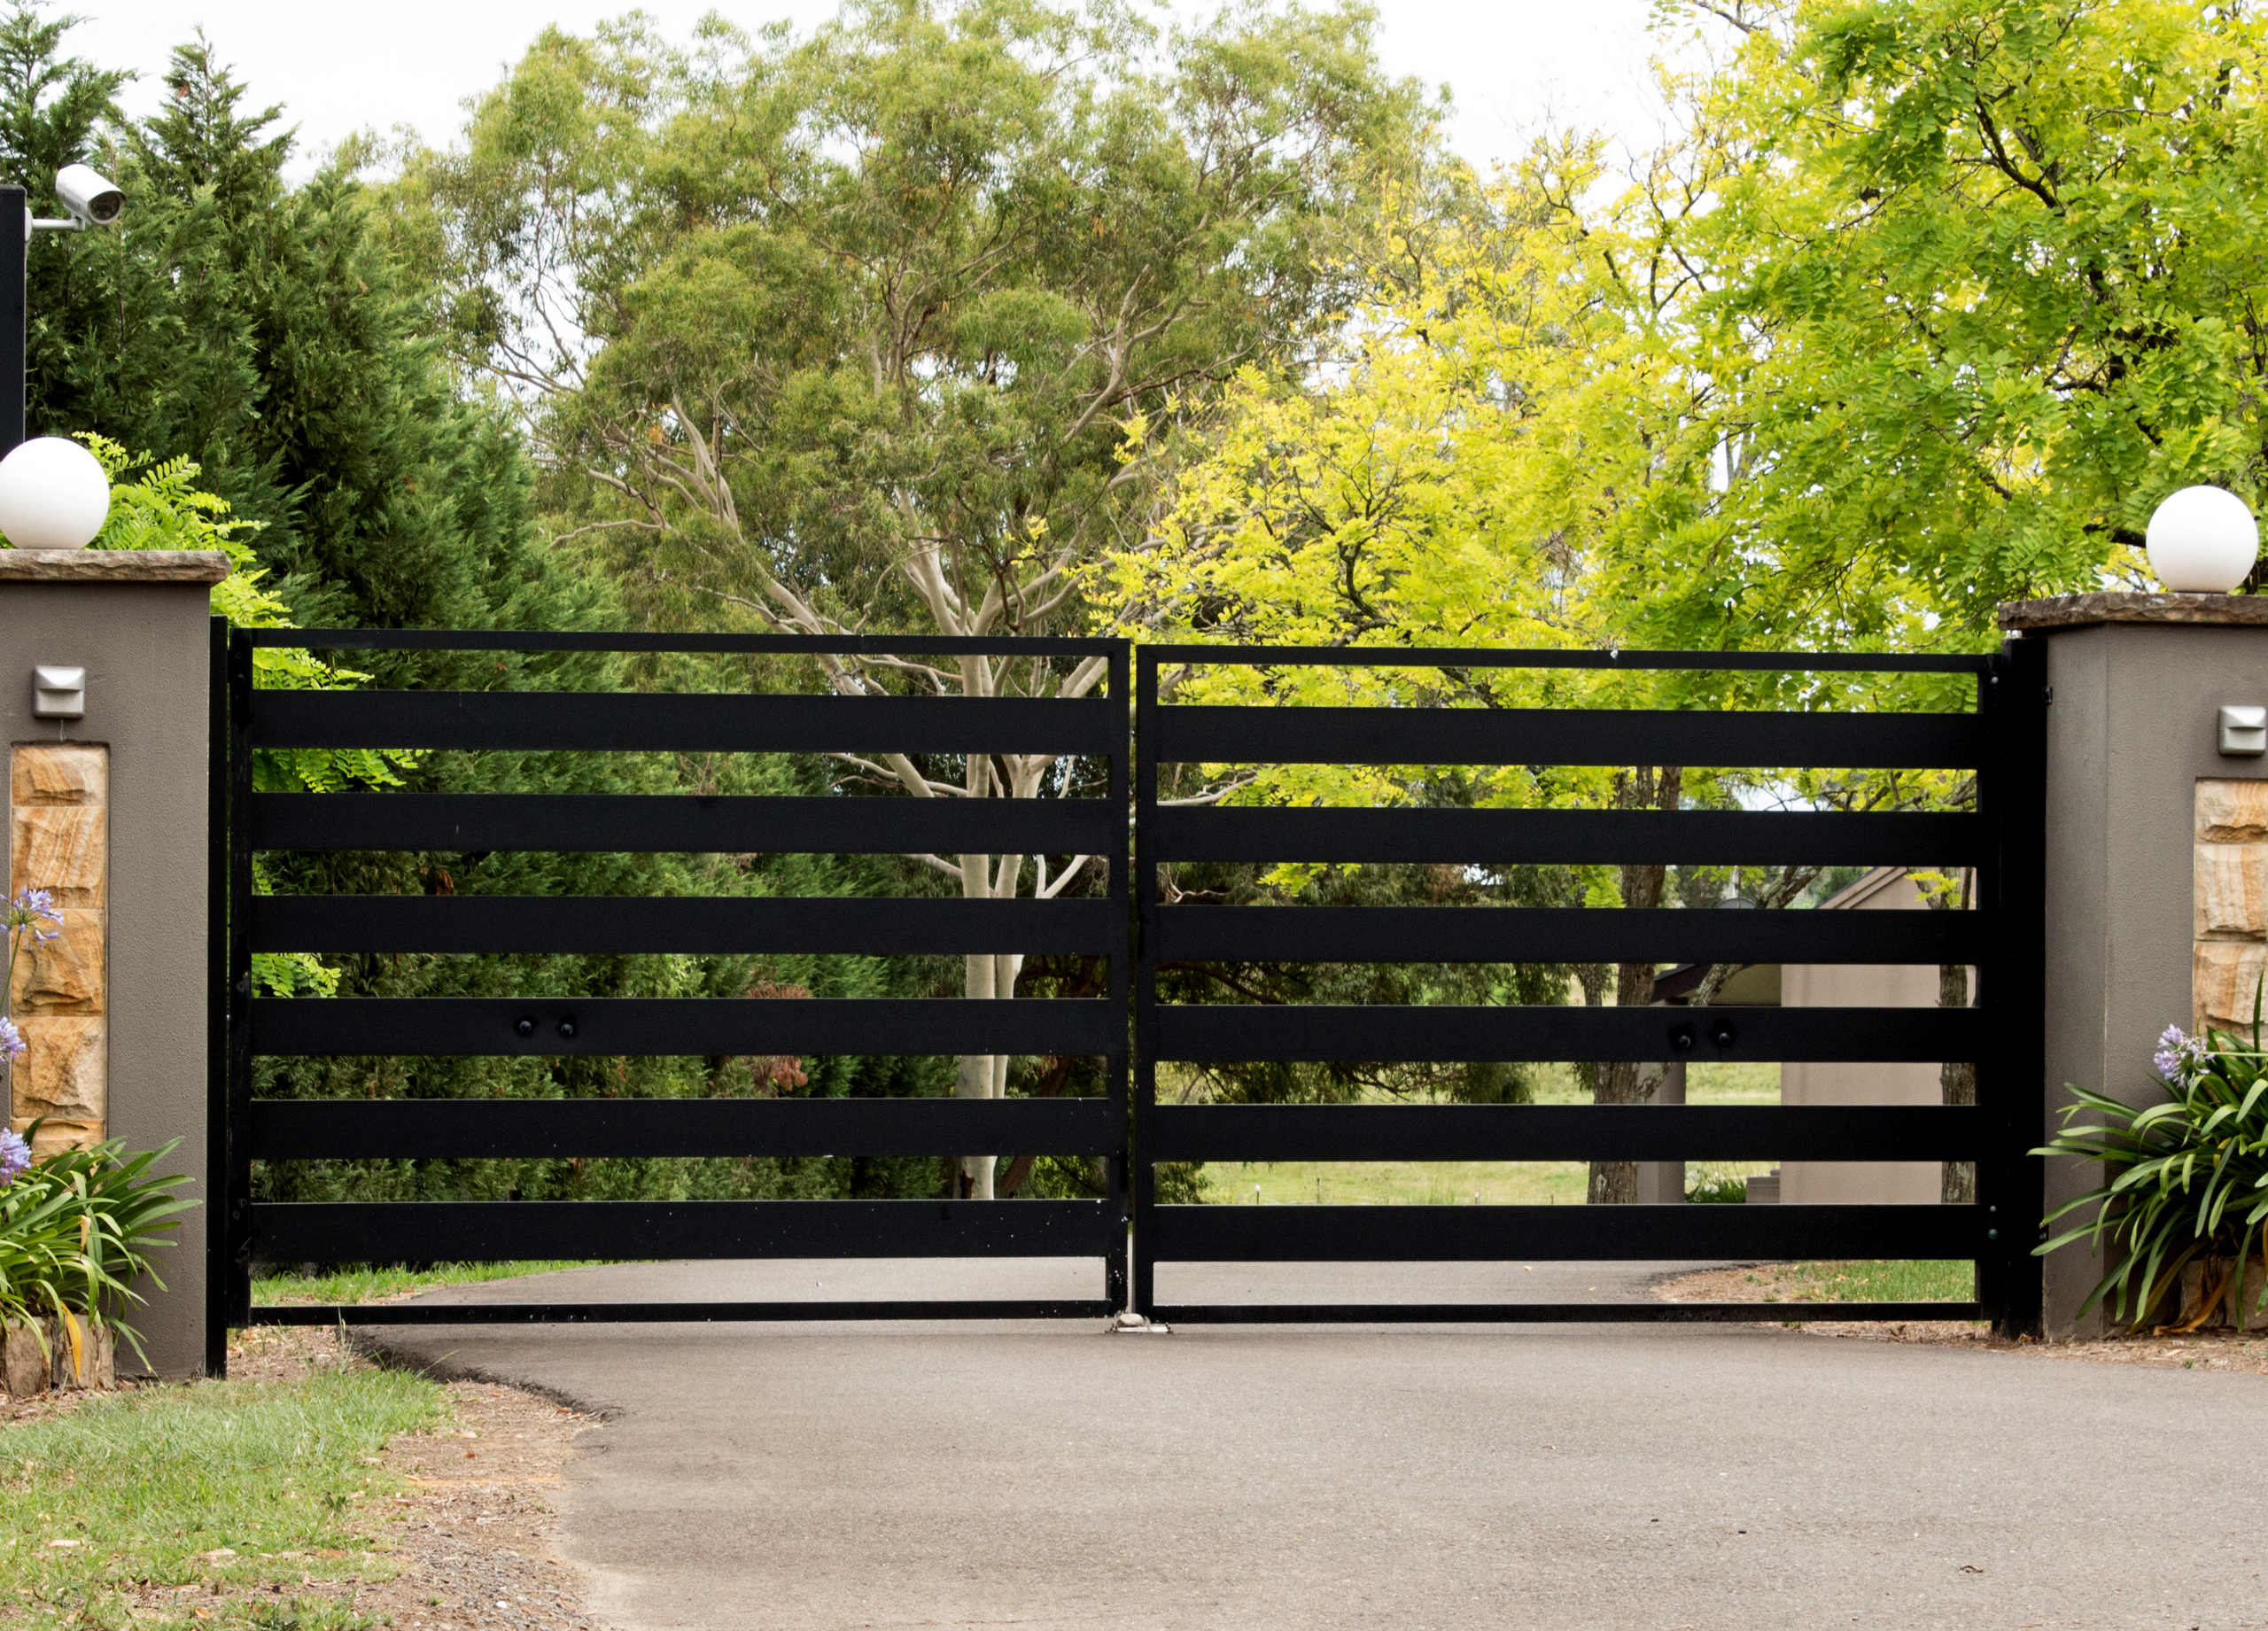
x,y
1513,64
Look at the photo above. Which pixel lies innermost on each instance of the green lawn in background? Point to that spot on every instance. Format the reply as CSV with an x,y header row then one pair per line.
x,y
1482,1183
1394,1182
246,1483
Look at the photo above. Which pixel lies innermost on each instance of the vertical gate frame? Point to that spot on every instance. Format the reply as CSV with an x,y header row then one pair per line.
x,y
220,1288
234,944
1116,1266
1146,987
2013,698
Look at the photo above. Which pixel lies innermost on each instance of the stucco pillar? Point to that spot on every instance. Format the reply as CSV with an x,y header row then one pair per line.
x,y
2139,812
108,812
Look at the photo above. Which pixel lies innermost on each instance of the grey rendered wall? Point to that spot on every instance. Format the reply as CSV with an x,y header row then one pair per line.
x,y
2132,728
144,646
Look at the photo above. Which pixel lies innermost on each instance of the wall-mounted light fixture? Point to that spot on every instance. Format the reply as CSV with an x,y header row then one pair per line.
x,y
2244,731
58,693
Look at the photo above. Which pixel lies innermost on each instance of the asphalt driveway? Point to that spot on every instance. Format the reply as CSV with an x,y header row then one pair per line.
x,y
814,1476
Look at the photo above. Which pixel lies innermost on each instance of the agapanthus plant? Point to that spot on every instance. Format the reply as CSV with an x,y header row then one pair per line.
x,y
2179,1053
77,1233
33,919
2186,1178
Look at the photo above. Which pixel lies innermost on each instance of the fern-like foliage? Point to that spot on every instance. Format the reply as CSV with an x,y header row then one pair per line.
x,y
156,504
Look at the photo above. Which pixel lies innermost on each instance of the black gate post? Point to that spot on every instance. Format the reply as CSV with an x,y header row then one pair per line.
x,y
1115,1266
2012,795
237,940
1145,981
217,761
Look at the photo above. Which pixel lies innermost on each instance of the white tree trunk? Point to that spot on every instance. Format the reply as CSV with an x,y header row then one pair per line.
x,y
988,975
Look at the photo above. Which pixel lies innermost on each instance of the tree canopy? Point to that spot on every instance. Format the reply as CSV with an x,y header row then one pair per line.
x,y
846,332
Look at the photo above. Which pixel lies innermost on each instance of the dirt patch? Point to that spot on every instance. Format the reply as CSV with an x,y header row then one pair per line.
x,y
2201,1351
469,1541
477,1528
45,1407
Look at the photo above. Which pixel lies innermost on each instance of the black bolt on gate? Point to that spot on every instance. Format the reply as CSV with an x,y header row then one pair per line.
x,y
565,1023
2002,743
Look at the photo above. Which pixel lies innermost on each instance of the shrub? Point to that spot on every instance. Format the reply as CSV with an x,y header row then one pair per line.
x,y
2187,1176
1711,1186
77,1231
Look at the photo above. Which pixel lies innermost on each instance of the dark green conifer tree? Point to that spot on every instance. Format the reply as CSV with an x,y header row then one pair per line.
x,y
257,328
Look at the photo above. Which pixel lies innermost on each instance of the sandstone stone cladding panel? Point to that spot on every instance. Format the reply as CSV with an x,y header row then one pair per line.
x,y
2229,924
58,827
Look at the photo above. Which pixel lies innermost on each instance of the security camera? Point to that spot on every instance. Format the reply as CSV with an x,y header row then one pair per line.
x,y
89,194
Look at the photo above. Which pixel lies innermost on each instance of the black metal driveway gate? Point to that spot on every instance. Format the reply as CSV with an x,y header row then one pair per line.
x,y
564,1022
2003,741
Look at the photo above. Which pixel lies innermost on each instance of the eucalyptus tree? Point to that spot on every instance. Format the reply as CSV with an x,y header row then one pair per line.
x,y
888,328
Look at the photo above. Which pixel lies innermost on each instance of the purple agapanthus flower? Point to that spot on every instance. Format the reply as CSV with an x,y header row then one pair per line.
x,y
2179,1053
15,1156
35,910
11,1040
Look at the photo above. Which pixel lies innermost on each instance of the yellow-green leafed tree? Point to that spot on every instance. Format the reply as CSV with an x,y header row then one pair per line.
x,y
1476,469
1460,472
1985,287
1521,446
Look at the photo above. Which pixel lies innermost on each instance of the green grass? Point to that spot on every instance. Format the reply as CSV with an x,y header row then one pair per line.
x,y
1483,1183
1707,1082
147,1486
1893,1280
381,1283
1395,1183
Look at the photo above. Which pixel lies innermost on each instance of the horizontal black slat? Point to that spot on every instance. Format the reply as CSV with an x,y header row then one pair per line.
x,y
600,923
1566,737
479,1129
1568,837
1498,657
1512,1234
442,1026
709,722
503,1231
1544,1313
658,822
579,640
1223,1031
672,1313
1564,1132
1554,935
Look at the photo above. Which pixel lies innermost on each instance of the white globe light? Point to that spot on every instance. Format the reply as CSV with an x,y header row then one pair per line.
x,y
53,494
2201,540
